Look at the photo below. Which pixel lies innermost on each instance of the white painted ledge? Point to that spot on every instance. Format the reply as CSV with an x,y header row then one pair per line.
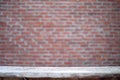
x,y
56,72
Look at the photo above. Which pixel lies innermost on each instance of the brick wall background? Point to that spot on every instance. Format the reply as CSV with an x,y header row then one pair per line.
x,y
60,32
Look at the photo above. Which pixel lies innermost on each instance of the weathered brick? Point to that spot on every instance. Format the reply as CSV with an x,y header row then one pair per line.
x,y
60,32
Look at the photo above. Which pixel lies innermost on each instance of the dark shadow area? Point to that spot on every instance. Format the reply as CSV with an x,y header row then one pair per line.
x,y
115,77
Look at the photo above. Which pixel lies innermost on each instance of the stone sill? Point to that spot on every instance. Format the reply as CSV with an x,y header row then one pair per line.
x,y
57,72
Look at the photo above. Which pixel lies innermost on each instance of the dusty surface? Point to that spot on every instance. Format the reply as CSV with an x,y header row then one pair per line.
x,y
57,72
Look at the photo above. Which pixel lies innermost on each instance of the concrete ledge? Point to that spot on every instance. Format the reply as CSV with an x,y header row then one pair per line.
x,y
56,72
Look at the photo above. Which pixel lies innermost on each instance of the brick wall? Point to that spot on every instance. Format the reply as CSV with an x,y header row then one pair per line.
x,y
60,32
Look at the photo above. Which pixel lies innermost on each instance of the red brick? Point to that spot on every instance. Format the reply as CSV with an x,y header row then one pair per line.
x,y
60,33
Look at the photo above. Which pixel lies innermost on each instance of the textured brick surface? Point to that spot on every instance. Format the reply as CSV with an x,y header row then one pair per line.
x,y
60,32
